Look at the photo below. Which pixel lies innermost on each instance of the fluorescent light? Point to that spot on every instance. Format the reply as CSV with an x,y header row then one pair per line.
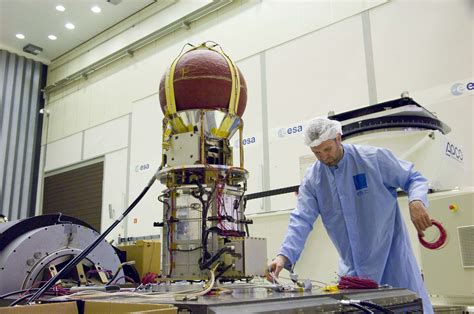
x,y
70,26
20,36
60,8
96,9
52,37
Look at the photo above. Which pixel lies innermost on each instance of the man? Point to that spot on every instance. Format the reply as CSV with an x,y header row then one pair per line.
x,y
354,189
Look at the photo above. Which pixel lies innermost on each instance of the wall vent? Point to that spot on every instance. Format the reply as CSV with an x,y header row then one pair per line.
x,y
466,243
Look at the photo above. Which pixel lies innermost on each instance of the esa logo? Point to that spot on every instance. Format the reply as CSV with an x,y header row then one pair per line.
x,y
245,141
454,152
143,167
460,88
249,140
289,131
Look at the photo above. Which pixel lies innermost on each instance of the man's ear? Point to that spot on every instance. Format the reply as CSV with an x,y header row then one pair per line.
x,y
338,138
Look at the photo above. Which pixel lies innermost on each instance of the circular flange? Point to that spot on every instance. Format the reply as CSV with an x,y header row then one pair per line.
x,y
29,254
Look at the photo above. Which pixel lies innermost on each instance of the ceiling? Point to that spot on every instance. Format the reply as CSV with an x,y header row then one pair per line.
x,y
37,19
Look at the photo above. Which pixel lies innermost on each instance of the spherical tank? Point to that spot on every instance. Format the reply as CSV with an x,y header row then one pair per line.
x,y
202,80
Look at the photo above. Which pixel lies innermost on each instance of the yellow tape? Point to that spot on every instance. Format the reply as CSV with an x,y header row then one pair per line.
x,y
224,128
330,288
175,120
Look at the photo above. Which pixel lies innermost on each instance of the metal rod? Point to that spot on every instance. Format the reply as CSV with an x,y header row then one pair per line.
x,y
91,247
241,149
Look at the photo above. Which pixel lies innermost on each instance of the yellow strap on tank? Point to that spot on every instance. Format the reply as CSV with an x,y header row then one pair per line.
x,y
226,124
175,120
229,119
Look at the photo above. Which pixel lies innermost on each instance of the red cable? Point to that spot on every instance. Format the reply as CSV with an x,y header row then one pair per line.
x,y
354,282
149,278
438,243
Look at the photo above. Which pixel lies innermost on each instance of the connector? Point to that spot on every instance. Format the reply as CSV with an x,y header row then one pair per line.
x,y
348,302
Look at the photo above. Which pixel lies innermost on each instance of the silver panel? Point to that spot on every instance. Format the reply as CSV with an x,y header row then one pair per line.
x,y
255,256
184,149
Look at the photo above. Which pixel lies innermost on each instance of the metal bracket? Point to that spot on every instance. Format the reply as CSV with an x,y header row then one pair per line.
x,y
102,275
81,274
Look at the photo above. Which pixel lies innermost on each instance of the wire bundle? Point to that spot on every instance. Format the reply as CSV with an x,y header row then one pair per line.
x,y
443,236
149,278
354,282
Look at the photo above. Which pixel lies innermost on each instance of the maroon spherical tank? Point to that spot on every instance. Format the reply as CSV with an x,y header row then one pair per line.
x,y
202,80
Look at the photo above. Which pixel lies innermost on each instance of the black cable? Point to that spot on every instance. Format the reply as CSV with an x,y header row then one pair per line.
x,y
115,275
376,306
186,250
206,263
6,295
51,282
204,239
243,213
226,268
21,299
168,212
268,193
205,207
360,307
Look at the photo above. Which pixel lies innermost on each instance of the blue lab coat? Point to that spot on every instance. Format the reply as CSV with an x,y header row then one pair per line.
x,y
357,201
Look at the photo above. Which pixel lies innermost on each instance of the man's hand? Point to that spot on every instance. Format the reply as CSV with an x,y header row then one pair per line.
x,y
277,264
419,216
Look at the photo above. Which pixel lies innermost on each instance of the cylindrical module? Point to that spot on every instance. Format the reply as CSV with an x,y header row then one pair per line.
x,y
203,97
203,211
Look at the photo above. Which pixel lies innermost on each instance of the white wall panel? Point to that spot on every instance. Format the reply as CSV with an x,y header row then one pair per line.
x,y
432,45
260,25
252,117
64,152
253,151
308,72
97,109
55,127
82,104
427,55
316,73
145,158
106,138
309,77
71,114
242,28
343,9
114,194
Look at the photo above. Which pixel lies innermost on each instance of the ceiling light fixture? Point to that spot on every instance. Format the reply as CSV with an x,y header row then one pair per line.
x,y
70,26
52,37
34,50
60,8
96,9
20,36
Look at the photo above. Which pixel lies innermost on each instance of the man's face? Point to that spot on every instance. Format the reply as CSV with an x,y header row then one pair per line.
x,y
329,152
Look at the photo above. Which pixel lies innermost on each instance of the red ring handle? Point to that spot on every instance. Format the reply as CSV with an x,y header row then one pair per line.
x,y
441,240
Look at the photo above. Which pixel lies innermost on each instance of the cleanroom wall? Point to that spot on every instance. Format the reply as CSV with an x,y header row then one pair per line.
x,y
300,59
121,98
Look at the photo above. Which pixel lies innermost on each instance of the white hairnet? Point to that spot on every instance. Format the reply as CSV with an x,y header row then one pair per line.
x,y
321,129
